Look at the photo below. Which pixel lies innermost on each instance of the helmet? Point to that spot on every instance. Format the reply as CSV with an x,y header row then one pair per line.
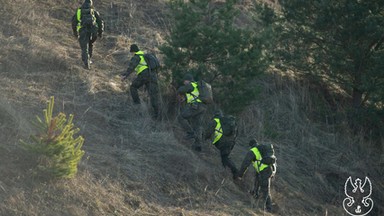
x,y
253,142
87,4
134,48
218,113
188,76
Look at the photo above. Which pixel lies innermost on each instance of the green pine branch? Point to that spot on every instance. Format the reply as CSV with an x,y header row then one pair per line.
x,y
58,149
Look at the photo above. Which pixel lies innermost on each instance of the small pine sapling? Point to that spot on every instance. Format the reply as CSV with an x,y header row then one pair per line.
x,y
55,143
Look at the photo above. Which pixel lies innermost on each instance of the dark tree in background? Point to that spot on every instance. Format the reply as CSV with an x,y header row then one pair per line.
x,y
341,43
210,41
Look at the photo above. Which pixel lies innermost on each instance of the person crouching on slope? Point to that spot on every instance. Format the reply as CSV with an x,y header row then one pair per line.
x,y
224,137
144,77
192,111
264,161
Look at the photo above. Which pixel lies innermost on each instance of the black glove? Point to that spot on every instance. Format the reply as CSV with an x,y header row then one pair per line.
x,y
100,34
76,34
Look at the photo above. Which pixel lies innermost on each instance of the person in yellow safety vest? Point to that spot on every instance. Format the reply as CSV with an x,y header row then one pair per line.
x,y
265,169
87,25
192,111
223,141
145,77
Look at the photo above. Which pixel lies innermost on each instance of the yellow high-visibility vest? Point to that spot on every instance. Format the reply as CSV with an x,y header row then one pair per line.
x,y
257,163
142,65
194,95
78,15
218,131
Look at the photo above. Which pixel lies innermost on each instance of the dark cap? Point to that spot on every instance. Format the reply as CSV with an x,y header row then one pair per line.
x,y
253,142
218,113
134,48
87,4
188,76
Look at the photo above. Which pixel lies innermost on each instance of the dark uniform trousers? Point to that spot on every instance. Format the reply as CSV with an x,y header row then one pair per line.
x,y
225,147
86,39
263,185
149,79
191,119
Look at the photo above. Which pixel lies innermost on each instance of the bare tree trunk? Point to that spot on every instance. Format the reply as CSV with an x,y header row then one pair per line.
x,y
357,97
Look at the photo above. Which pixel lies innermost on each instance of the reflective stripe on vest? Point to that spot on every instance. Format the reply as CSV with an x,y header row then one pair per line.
x,y
142,64
194,95
218,131
257,163
78,15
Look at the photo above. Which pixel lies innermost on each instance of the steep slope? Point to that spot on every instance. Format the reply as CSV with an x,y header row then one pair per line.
x,y
132,165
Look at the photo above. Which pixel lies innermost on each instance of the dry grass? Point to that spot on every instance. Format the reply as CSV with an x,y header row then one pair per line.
x,y
133,166
314,159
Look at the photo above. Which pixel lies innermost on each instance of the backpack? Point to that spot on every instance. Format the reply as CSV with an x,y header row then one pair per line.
x,y
228,125
205,92
267,153
87,18
152,61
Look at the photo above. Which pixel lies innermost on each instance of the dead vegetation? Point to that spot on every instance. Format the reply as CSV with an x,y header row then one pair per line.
x,y
133,166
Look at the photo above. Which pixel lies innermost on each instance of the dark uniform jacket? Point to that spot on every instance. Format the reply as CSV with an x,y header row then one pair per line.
x,y
99,28
135,60
249,159
185,89
191,110
225,143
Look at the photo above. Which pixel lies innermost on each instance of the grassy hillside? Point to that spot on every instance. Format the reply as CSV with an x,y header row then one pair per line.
x,y
134,166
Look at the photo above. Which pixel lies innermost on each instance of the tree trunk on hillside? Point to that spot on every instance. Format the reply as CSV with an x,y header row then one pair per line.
x,y
357,96
357,93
